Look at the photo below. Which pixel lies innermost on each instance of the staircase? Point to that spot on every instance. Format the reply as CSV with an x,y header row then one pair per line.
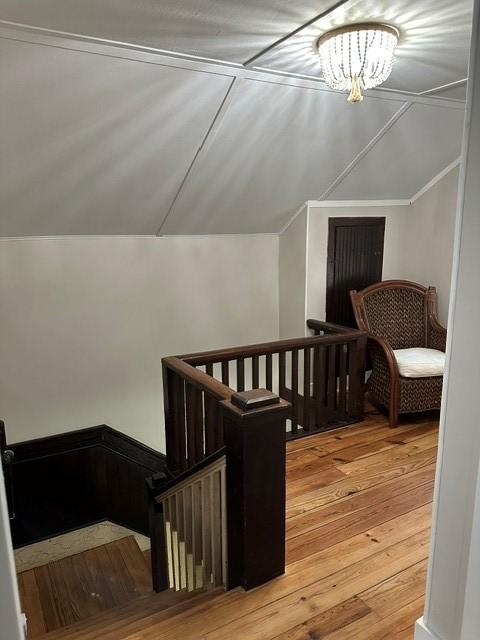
x,y
97,593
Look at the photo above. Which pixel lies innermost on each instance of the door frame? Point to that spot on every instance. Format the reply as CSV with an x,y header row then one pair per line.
x,y
333,223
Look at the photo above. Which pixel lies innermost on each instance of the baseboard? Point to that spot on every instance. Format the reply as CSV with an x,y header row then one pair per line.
x,y
422,632
75,479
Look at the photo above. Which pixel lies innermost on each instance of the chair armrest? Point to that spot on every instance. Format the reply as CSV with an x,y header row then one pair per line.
x,y
380,350
437,335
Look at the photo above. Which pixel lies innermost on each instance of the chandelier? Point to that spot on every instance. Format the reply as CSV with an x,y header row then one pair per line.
x,y
357,56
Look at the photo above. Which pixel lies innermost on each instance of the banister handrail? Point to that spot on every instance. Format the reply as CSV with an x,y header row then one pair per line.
x,y
190,473
198,378
247,351
330,327
238,435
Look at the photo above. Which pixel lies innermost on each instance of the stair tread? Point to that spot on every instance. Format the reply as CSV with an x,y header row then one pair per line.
x,y
132,616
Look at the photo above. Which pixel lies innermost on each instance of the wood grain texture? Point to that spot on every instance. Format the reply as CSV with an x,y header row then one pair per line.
x,y
358,532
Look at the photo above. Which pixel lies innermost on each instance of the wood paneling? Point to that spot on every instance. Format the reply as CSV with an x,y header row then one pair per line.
x,y
78,478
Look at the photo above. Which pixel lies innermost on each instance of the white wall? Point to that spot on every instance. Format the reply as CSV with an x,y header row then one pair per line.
x,y
9,599
453,596
85,322
429,246
393,256
292,277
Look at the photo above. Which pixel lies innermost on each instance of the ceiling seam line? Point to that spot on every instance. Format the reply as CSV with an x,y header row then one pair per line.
x,y
293,33
230,69
443,87
213,125
81,37
366,149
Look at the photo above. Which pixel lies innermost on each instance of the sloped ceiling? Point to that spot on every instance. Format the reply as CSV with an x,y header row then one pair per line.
x,y
108,139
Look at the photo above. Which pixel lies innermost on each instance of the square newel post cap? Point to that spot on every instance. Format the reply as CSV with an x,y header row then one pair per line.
x,y
254,399
257,403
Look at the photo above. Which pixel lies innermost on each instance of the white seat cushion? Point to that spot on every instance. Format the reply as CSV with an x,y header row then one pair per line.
x,y
420,362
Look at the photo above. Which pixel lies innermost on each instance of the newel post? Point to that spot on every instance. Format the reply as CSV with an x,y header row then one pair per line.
x,y
254,432
158,544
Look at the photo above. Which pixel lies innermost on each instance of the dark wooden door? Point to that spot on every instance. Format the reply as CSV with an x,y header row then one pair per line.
x,y
355,260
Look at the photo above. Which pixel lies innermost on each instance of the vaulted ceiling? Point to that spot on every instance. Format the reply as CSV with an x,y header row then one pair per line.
x,y
211,116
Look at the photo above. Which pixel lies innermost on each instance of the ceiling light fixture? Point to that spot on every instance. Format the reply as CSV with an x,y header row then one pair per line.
x,y
357,56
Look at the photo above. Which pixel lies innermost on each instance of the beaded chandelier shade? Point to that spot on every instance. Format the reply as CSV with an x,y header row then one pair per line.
x,y
357,56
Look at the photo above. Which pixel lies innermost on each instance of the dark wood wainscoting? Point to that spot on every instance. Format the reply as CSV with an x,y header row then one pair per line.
x,y
75,479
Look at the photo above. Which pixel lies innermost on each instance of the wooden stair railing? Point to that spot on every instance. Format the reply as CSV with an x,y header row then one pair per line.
x,y
222,521
236,403
321,376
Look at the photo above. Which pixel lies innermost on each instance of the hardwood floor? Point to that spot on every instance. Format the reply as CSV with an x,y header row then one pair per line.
x,y
358,530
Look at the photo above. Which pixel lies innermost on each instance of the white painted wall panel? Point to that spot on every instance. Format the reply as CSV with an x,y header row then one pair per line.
x,y
292,277
430,236
86,321
276,147
93,144
418,146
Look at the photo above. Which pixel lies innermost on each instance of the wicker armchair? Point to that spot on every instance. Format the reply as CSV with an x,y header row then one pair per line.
x,y
398,314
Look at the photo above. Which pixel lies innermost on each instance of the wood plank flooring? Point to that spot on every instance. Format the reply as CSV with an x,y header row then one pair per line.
x,y
358,531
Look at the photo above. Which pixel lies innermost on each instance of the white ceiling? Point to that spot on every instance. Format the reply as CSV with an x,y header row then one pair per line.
x,y
98,139
232,30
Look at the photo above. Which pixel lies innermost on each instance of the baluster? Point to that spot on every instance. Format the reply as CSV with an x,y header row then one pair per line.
x,y
181,541
332,381
210,424
241,374
223,516
306,389
356,380
199,424
216,528
255,375
209,369
206,532
319,386
179,408
169,542
281,374
225,373
294,375
197,525
175,542
268,371
169,398
187,527
190,402
342,392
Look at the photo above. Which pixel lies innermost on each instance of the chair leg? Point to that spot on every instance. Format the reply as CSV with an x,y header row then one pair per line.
x,y
393,417
393,408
